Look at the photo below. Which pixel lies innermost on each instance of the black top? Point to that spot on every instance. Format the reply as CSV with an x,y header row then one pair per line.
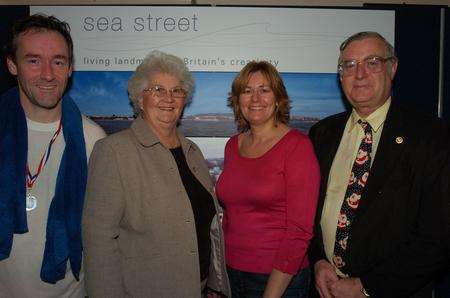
x,y
202,207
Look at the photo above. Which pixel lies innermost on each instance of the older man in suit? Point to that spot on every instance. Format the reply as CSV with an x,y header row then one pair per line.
x,y
377,230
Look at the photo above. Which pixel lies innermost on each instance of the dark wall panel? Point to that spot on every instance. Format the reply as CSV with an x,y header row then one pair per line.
x,y
417,30
8,14
446,93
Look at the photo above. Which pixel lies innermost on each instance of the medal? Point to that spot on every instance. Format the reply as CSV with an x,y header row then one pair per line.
x,y
31,202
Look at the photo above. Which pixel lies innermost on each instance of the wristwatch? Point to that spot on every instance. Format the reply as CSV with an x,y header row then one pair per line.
x,y
364,292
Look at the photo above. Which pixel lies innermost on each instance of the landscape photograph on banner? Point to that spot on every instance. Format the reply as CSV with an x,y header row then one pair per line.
x,y
103,97
207,120
302,43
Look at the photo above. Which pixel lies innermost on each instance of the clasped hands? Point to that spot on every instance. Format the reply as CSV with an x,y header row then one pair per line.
x,y
329,285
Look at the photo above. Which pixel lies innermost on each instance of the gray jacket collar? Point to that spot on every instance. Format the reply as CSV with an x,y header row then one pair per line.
x,y
147,138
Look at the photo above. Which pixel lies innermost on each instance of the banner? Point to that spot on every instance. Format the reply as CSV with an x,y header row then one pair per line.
x,y
215,43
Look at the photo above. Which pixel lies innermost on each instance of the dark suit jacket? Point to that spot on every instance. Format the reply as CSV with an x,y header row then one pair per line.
x,y
395,244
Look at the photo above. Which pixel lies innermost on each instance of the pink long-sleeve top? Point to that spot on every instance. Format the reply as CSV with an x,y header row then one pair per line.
x,y
269,205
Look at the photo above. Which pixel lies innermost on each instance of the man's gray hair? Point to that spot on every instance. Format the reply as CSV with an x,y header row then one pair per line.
x,y
158,63
363,35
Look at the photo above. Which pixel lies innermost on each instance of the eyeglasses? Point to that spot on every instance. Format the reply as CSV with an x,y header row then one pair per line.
x,y
160,91
372,64
262,91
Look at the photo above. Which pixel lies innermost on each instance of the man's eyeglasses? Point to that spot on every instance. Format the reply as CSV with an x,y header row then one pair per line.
x,y
262,91
160,91
372,64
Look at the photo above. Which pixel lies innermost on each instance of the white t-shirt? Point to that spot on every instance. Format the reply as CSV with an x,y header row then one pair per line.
x,y
20,273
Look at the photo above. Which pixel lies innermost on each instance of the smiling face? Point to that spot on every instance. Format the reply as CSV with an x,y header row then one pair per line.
x,y
257,102
42,67
367,91
162,112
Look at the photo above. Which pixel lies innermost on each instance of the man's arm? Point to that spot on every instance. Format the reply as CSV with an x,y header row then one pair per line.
x,y
324,272
316,250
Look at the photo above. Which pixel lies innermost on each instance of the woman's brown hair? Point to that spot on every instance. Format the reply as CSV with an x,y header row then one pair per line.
x,y
283,104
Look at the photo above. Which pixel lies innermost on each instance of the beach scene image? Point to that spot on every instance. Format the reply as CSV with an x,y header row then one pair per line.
x,y
207,120
102,95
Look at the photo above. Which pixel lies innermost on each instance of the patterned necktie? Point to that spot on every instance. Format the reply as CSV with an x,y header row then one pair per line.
x,y
356,183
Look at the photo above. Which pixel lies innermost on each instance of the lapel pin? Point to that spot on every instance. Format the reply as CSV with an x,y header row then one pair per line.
x,y
399,140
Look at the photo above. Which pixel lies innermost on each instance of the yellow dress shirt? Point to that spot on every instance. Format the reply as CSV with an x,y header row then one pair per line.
x,y
341,168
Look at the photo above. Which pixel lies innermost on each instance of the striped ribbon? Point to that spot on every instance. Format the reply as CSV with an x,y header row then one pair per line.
x,y
32,178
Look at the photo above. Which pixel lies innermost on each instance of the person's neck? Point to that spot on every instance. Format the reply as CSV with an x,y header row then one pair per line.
x,y
37,113
167,135
43,115
262,133
364,113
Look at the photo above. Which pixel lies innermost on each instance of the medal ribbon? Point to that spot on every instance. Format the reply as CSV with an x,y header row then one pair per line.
x,y
32,178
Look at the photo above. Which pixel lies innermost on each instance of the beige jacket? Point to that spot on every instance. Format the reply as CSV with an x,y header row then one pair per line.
x,y
138,226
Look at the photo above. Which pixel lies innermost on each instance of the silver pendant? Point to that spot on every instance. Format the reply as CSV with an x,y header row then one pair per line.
x,y
31,202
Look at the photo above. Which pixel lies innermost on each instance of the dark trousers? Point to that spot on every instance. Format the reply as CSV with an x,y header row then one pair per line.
x,y
442,289
252,285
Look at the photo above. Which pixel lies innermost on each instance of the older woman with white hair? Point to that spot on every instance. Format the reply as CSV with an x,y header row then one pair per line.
x,y
150,224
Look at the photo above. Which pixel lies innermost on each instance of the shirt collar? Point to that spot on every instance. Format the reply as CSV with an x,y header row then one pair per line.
x,y
376,119
143,132
147,137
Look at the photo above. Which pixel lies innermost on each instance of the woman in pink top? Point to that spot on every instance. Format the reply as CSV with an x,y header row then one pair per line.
x,y
269,189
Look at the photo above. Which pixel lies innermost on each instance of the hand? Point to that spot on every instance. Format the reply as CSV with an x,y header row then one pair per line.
x,y
213,294
325,276
347,288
